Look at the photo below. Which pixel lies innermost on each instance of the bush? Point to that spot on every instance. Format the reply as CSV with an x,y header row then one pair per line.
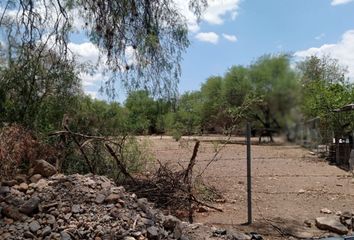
x,y
19,148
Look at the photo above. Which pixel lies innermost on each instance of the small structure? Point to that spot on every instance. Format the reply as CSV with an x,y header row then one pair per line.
x,y
342,149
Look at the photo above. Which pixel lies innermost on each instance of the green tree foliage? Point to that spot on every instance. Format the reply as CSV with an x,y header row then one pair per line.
x,y
36,91
212,103
141,40
324,89
277,85
142,112
186,119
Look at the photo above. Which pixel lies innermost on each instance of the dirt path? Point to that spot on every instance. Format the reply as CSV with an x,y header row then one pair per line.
x,y
289,184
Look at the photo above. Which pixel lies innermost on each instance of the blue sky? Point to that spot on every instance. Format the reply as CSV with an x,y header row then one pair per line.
x,y
237,32
299,27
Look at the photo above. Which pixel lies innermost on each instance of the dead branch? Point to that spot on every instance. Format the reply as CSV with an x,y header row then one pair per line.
x,y
88,162
120,164
189,170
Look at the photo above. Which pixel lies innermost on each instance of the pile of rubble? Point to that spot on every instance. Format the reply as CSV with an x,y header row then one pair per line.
x,y
340,223
83,207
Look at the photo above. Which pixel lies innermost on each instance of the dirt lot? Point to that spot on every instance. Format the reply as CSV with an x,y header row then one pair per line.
x,y
289,184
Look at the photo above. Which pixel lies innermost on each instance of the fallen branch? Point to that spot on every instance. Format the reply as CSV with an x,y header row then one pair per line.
x,y
120,164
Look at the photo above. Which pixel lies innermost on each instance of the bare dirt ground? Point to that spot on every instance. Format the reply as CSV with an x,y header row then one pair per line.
x,y
289,184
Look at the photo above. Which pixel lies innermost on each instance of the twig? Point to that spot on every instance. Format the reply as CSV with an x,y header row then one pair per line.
x,y
81,150
205,204
120,164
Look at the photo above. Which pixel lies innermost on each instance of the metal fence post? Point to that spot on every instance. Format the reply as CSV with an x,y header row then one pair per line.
x,y
249,180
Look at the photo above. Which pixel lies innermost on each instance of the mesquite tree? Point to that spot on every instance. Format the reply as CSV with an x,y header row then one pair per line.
x,y
141,41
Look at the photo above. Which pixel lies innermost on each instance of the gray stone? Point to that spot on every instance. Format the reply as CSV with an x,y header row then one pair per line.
x,y
332,224
30,206
76,208
238,236
34,226
65,236
9,183
46,231
170,222
28,235
152,233
100,198
4,190
177,232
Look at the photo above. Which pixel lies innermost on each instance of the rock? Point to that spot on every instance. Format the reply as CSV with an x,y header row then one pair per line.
x,y
46,231
112,198
100,198
13,213
332,224
4,190
152,233
35,178
308,223
301,191
28,234
44,168
177,232
238,236
129,238
23,187
170,222
326,211
34,226
346,215
41,184
30,206
21,178
76,208
64,236
218,232
202,209
9,183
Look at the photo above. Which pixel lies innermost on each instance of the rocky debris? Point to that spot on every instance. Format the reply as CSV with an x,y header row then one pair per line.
x,y
331,223
43,168
35,178
84,207
326,211
30,206
308,223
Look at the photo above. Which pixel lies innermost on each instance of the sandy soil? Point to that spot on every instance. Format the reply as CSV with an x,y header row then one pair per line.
x,y
290,185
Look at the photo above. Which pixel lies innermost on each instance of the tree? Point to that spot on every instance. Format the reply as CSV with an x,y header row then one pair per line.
x,y
141,40
36,91
276,83
142,112
324,89
212,103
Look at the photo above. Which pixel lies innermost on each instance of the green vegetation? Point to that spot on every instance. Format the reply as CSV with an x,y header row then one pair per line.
x,y
40,87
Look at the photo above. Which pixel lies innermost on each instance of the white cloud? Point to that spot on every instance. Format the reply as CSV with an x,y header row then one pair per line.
x,y
92,94
218,9
343,51
210,37
319,37
231,38
216,13
85,51
339,2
